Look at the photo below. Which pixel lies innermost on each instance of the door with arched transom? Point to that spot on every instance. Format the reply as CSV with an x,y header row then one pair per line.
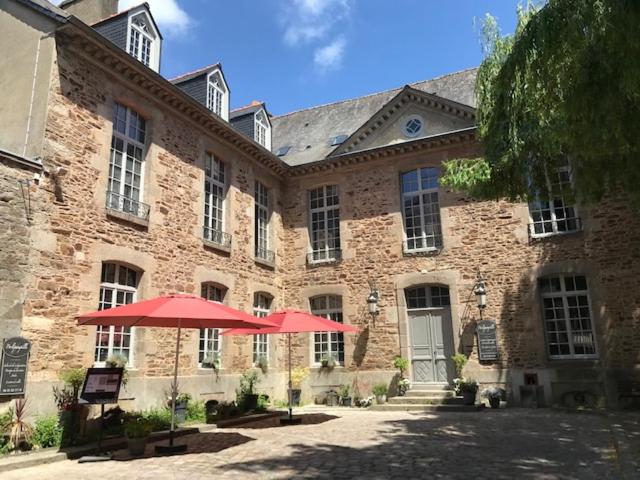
x,y
430,334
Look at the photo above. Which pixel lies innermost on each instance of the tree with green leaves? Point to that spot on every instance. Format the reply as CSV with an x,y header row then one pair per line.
x,y
564,86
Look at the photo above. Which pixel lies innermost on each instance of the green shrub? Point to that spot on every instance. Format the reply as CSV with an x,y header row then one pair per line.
x,y
263,404
139,428
158,418
380,389
460,360
401,364
74,378
47,432
196,411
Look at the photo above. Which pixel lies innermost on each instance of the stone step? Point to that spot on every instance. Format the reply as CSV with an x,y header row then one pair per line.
x,y
432,387
426,408
430,393
426,400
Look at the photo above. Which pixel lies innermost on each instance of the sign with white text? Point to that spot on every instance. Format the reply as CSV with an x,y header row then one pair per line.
x,y
13,368
487,341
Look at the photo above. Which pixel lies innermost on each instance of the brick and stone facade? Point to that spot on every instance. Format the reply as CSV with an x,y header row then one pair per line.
x,y
53,259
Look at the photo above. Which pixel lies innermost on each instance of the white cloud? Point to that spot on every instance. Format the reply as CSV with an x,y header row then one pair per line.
x,y
171,18
330,56
305,21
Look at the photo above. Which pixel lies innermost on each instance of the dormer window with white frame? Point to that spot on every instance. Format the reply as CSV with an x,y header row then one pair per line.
x,y
143,40
217,95
262,129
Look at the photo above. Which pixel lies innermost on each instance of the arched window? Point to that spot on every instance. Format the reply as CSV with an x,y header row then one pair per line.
x,y
118,286
216,92
566,312
328,344
262,130
141,38
261,308
210,346
427,296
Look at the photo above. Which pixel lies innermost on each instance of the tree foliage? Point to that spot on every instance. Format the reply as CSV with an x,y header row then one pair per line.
x,y
564,85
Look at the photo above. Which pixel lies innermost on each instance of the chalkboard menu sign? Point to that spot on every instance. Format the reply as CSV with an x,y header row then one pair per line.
x,y
487,340
13,368
102,385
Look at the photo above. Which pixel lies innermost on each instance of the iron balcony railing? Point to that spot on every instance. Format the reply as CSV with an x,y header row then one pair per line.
x,y
550,228
217,236
324,256
266,255
123,204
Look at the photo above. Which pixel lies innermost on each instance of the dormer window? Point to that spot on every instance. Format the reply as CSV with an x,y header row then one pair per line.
x,y
143,43
262,133
217,100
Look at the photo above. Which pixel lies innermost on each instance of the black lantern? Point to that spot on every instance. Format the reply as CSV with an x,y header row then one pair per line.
x,y
372,300
480,291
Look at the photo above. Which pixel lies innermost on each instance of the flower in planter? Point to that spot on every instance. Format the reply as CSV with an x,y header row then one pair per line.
x,y
328,362
461,385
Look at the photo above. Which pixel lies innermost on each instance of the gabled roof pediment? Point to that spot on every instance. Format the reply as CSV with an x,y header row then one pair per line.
x,y
408,116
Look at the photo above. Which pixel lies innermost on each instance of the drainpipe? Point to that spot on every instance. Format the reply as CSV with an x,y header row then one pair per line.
x,y
33,92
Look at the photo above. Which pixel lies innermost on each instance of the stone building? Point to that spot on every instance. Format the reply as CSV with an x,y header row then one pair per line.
x,y
120,185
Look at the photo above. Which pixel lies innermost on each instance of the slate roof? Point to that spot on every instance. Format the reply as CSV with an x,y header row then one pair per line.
x,y
126,12
196,73
309,131
246,110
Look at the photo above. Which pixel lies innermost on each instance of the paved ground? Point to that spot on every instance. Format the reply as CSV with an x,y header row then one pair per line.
x,y
505,444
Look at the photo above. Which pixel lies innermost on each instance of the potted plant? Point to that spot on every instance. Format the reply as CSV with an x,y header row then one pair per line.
x,y
459,360
137,432
333,399
494,395
380,392
211,361
118,360
345,398
182,402
403,386
262,362
246,394
298,375
19,430
467,388
328,362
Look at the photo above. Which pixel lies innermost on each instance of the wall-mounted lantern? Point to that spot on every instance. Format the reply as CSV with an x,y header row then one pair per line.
x,y
372,300
480,292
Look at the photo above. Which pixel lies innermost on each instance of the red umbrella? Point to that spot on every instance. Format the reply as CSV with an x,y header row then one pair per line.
x,y
294,321
175,311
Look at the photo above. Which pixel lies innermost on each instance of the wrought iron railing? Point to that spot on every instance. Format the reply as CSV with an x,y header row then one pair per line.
x,y
217,236
266,255
123,204
324,256
550,228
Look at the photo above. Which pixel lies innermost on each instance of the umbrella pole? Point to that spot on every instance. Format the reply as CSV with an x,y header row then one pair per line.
x,y
174,390
290,384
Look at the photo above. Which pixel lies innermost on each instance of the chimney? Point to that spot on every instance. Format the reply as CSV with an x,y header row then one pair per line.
x,y
90,11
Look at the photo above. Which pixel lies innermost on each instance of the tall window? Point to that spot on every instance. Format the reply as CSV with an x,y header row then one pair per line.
x,y
328,344
140,39
118,286
126,166
567,316
262,130
325,223
214,195
421,209
210,347
554,216
215,94
261,236
261,308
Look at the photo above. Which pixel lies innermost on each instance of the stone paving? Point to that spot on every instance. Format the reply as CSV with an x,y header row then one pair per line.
x,y
504,444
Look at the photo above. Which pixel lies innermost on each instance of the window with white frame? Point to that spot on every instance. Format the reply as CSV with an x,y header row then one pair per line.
x,y
325,223
141,38
421,210
261,236
567,316
214,197
216,94
426,296
262,130
328,344
126,164
261,308
118,286
554,216
210,345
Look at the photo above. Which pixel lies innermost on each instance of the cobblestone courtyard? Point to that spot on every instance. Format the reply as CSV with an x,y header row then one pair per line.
x,y
505,444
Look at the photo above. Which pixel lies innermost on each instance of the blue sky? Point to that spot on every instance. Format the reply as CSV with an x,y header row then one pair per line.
x,y
299,53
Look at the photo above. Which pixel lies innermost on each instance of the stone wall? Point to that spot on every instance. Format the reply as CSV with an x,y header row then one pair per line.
x,y
67,259
491,236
